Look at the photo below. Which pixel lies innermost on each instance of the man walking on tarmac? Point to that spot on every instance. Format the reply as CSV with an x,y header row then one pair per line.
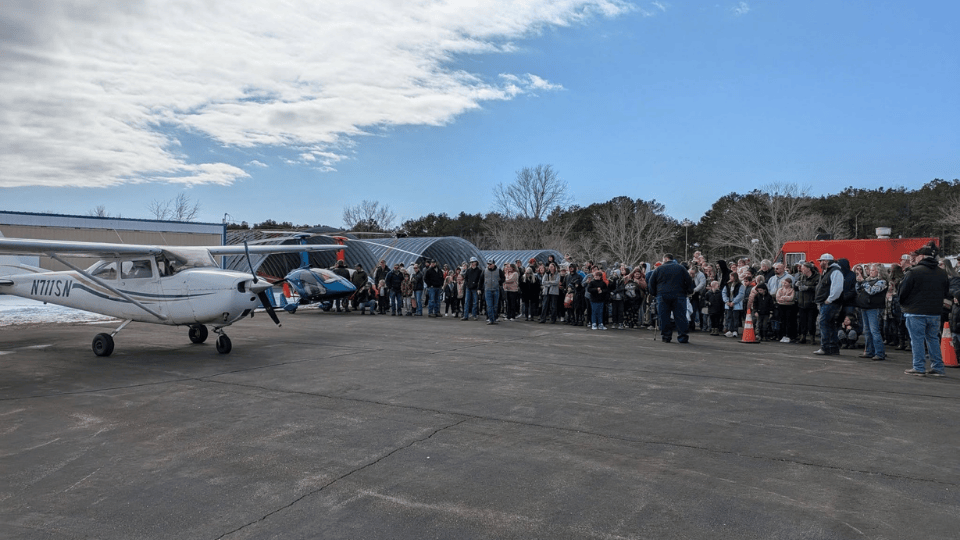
x,y
670,283
827,297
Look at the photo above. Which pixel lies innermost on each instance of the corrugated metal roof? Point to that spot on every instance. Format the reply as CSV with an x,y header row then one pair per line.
x,y
451,250
508,256
280,264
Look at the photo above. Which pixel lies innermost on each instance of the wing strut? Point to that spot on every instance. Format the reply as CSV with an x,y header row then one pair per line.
x,y
100,282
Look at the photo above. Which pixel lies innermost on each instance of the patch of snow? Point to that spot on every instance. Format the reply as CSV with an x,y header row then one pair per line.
x,y
15,311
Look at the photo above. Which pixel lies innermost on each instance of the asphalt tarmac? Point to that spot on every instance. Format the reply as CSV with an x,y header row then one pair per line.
x,y
360,427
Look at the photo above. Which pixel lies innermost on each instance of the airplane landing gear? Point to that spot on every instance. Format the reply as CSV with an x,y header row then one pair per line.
x,y
223,344
198,333
103,345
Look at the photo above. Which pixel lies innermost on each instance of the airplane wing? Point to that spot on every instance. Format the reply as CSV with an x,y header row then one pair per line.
x,y
102,250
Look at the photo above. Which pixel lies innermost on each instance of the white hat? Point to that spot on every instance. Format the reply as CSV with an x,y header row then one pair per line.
x,y
473,259
826,257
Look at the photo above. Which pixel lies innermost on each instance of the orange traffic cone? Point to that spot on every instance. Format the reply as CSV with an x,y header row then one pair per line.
x,y
748,335
947,351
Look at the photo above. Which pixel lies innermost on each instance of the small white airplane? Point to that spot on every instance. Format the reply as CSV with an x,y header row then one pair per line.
x,y
172,285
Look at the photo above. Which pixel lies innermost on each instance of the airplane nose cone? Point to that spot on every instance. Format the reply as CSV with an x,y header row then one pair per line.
x,y
258,287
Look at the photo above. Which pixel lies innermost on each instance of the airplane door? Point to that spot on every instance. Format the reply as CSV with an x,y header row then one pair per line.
x,y
140,279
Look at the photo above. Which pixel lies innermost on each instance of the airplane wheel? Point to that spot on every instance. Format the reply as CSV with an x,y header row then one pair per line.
x,y
223,344
198,333
103,345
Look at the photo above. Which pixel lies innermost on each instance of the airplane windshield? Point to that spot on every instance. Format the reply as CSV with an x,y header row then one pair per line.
x,y
171,261
104,270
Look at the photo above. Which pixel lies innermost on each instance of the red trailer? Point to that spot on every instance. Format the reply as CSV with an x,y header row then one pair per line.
x,y
881,250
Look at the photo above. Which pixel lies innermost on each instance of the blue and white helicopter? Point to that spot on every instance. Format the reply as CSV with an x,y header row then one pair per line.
x,y
321,286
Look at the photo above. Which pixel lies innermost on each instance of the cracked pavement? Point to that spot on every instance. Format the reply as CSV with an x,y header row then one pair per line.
x,y
349,426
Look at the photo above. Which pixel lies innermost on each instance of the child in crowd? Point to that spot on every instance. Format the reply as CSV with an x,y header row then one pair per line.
x,y
848,333
383,300
714,300
762,311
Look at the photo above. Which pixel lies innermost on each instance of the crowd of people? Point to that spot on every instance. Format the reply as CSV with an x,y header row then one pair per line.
x,y
900,305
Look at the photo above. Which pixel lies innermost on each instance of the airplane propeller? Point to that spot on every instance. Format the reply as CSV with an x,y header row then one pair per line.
x,y
261,290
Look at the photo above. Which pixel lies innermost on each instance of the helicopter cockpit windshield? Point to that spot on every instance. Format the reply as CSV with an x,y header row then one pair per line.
x,y
311,284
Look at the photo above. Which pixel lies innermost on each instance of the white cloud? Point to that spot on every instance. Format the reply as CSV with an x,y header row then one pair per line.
x,y
88,88
741,9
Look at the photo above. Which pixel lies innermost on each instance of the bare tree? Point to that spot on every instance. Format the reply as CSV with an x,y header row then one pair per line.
x,y
179,208
528,211
949,213
630,231
761,221
534,194
505,233
99,211
368,216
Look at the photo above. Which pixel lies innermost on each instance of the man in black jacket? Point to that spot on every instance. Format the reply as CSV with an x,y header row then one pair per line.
x,y
471,284
341,270
359,279
433,279
394,280
670,284
922,293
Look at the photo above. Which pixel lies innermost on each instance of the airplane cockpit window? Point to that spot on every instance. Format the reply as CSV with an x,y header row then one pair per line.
x,y
172,261
104,270
136,269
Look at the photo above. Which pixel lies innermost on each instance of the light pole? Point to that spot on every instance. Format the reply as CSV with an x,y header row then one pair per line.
x,y
686,238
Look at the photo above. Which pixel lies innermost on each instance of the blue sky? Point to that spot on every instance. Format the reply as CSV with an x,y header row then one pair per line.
x,y
296,112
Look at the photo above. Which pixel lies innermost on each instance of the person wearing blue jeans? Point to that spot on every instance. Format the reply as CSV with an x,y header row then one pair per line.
x,y
829,344
470,304
396,302
472,278
393,281
418,298
827,296
598,293
925,340
871,299
433,280
922,292
492,279
492,298
871,334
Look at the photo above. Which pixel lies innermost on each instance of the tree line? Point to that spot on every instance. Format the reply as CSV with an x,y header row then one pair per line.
x,y
535,212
